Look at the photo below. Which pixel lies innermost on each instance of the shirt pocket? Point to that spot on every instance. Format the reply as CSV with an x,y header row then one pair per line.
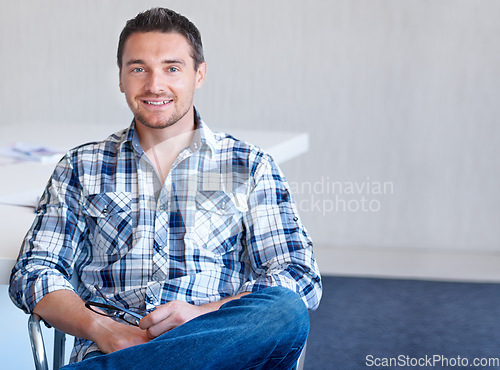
x,y
109,221
218,224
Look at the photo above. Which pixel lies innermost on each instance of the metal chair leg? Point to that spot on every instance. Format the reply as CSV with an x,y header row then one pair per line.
x,y
37,346
59,347
302,358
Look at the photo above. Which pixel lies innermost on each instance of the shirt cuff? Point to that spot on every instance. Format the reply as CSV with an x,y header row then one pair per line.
x,y
40,287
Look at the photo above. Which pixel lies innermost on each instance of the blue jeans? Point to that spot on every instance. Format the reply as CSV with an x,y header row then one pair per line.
x,y
263,330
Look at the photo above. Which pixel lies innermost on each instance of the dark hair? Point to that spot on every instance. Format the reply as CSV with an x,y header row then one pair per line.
x,y
166,21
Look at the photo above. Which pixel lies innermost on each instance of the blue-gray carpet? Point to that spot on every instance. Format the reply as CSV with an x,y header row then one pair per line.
x,y
403,321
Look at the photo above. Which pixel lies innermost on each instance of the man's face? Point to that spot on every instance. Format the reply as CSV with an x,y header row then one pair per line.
x,y
159,79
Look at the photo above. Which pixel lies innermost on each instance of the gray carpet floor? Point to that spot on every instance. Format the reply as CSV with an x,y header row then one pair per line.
x,y
363,322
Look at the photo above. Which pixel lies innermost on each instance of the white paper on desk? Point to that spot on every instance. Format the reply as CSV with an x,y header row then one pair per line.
x,y
24,199
35,153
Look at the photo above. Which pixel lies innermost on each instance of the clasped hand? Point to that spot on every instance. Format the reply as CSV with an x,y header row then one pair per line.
x,y
164,318
117,336
169,316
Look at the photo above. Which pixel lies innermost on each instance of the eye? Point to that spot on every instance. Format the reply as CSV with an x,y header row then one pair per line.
x,y
173,69
138,70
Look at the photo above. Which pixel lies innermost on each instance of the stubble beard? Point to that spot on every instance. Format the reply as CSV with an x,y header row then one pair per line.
x,y
159,125
172,120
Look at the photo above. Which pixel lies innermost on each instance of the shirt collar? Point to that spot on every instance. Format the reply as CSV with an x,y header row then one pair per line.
x,y
135,139
203,136
132,139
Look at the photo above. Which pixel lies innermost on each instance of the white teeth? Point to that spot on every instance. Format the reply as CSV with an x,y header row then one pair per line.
x,y
157,102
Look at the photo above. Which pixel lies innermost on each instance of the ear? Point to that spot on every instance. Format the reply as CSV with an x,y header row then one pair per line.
x,y
120,79
201,74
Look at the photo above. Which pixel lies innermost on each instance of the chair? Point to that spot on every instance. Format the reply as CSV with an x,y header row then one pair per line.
x,y
38,346
302,359
40,355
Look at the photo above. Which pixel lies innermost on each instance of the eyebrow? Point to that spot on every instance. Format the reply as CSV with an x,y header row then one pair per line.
x,y
166,61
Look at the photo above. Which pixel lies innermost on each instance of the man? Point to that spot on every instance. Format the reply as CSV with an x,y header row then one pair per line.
x,y
195,227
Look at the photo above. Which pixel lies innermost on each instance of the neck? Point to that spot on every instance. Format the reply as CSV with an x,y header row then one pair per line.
x,y
162,146
178,134
163,155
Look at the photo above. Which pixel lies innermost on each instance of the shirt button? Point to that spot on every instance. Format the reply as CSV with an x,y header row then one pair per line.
x,y
223,205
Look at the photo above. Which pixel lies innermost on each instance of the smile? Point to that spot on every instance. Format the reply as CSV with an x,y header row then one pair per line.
x,y
164,102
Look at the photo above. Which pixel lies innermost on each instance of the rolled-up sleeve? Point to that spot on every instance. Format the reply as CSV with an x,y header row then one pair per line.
x,y
45,262
279,247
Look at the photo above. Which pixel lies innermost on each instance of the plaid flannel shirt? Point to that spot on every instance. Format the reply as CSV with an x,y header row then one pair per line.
x,y
223,223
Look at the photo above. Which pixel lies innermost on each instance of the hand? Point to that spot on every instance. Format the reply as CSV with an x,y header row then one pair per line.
x,y
171,315
114,336
65,310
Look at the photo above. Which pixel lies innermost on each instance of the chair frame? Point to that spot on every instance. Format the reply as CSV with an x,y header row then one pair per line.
x,y
302,358
38,345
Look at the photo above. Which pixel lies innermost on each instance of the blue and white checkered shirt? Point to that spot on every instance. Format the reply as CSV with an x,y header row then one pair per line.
x,y
223,223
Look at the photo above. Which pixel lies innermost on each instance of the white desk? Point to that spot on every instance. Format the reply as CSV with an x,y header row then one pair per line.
x,y
28,179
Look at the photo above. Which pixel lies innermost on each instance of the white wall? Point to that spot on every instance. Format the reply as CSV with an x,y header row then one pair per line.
x,y
391,91
397,92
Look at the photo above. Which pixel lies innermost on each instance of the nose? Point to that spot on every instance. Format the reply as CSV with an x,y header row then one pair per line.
x,y
156,83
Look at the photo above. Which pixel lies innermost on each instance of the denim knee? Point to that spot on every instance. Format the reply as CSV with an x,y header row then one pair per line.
x,y
285,307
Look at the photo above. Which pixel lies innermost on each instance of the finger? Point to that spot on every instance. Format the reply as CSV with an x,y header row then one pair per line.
x,y
162,327
164,318
154,317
